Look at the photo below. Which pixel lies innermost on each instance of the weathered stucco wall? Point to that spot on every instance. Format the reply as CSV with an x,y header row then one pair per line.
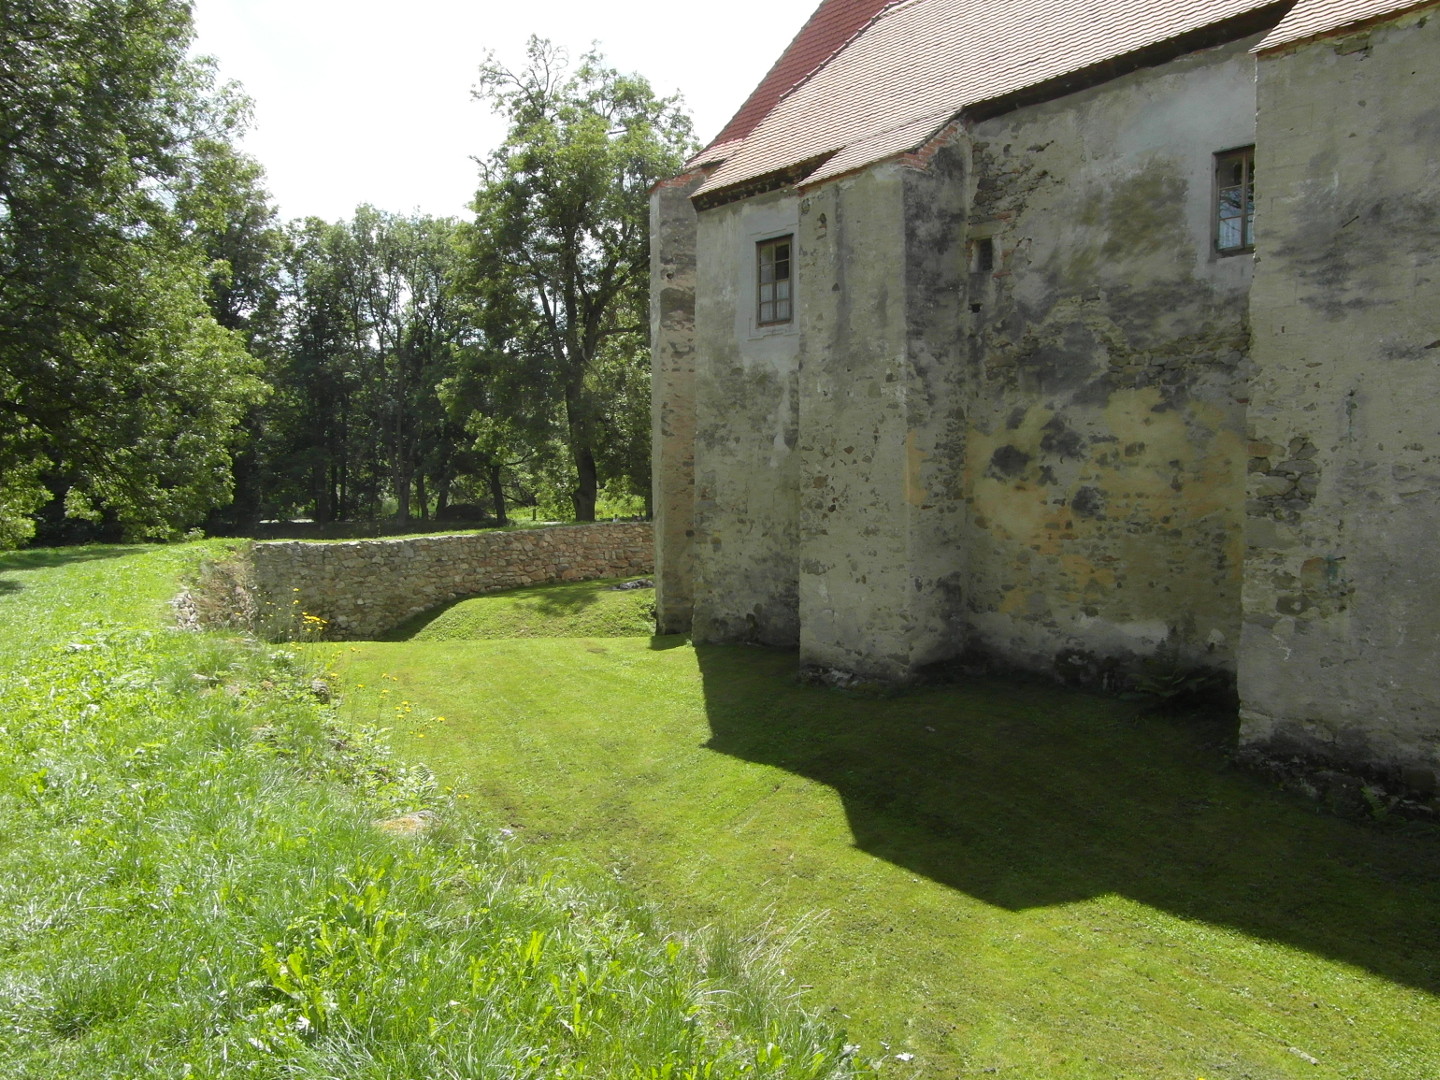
x,y
854,564
362,588
746,422
672,398
1040,460
1342,598
1016,412
940,396
881,567
1108,360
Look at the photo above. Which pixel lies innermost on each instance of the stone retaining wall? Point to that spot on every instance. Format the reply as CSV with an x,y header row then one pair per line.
x,y
363,588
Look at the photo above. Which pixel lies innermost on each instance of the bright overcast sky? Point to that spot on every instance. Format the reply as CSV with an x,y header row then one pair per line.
x,y
359,101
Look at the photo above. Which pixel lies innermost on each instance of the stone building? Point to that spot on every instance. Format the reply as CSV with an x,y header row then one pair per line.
x,y
1059,335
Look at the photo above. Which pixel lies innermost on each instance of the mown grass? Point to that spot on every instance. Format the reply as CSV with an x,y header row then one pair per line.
x,y
192,883
569,609
997,879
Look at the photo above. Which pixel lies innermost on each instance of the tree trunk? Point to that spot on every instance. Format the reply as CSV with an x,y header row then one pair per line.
x,y
340,458
402,499
320,492
402,475
582,498
497,495
588,486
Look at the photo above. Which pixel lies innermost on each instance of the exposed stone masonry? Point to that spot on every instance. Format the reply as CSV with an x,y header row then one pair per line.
x,y
1283,490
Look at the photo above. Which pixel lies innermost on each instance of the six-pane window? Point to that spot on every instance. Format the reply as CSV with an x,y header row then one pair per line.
x,y
773,280
1235,200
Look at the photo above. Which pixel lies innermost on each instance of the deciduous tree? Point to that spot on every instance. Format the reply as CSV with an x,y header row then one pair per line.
x,y
119,391
369,330
560,248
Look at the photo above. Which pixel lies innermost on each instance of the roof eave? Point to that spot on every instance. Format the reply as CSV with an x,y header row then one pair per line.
x,y
1241,26
760,185
1359,26
1255,21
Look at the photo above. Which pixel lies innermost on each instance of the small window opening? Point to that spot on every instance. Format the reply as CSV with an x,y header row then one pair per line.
x,y
772,281
984,255
1235,200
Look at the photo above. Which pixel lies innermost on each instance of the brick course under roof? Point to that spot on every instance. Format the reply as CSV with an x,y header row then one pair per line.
x,y
905,74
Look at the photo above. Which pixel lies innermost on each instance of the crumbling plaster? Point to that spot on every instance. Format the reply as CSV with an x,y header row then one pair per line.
x,y
1341,620
1042,462
746,470
672,390
880,567
1111,442
1108,360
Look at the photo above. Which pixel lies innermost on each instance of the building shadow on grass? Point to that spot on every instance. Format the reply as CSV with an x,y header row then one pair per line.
x,y
1029,795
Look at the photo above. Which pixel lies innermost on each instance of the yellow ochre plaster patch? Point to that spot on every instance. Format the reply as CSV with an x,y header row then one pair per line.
x,y
915,491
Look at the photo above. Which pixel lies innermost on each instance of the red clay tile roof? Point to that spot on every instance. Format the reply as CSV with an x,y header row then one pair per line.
x,y
920,62
834,23
1313,18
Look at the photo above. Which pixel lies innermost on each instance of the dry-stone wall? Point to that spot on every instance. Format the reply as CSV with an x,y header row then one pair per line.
x,y
363,588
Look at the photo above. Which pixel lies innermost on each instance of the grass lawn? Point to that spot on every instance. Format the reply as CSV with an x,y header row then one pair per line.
x,y
997,879
567,609
205,874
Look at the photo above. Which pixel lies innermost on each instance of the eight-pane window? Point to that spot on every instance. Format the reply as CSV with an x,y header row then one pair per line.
x,y
1235,200
773,280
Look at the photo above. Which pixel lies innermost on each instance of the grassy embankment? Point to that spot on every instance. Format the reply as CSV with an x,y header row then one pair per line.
x,y
192,883
572,610
998,879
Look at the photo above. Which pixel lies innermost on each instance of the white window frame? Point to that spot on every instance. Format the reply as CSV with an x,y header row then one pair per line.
x,y
1239,198
771,290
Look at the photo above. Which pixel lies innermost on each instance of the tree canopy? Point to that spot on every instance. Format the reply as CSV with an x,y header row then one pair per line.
x,y
119,389
560,243
171,353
